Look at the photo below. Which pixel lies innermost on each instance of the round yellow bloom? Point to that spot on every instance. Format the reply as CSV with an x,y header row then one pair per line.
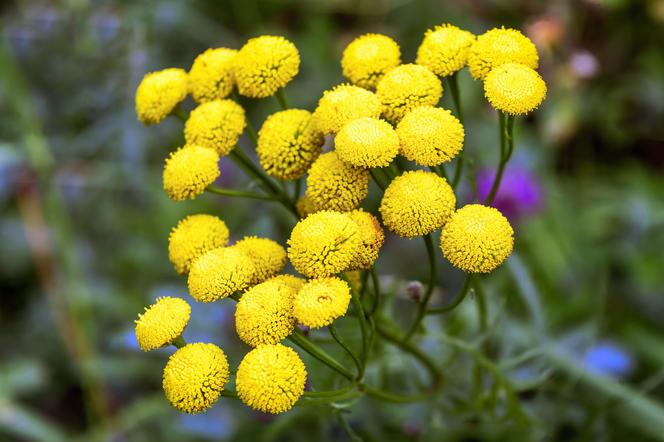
x,y
477,239
417,203
271,378
367,142
514,88
211,75
159,93
288,143
291,281
264,314
335,185
499,46
367,58
430,135
444,49
305,206
371,236
407,87
188,171
264,65
220,273
354,278
343,104
216,124
324,244
320,301
268,256
193,236
162,322
195,376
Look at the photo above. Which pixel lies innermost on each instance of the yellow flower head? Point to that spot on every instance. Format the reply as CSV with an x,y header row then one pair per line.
x,y
367,58
499,46
354,278
305,206
193,236
211,75
320,301
417,203
264,314
268,256
335,185
343,104
162,322
367,143
271,378
324,244
371,236
406,87
188,171
430,135
477,239
288,143
264,65
290,280
444,49
514,88
220,273
195,376
216,124
159,93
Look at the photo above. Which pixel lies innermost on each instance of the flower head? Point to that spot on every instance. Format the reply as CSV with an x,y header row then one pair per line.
x,y
271,378
371,236
159,93
268,256
406,87
367,58
288,143
194,377
220,273
211,75
193,236
444,49
162,322
514,88
343,104
290,280
323,244
518,196
430,135
367,143
417,203
188,171
477,239
305,206
264,65
335,185
216,124
499,46
320,301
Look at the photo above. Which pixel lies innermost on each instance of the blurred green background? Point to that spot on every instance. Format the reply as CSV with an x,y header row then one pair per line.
x,y
84,227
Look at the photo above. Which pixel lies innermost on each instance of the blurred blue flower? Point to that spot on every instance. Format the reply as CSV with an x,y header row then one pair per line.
x,y
608,359
215,424
519,194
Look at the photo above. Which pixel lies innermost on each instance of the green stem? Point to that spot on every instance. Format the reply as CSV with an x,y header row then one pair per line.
x,y
178,342
297,189
376,290
330,393
180,113
392,397
459,298
506,149
422,307
456,98
229,394
481,305
281,98
342,344
378,182
346,426
355,297
238,193
252,132
305,344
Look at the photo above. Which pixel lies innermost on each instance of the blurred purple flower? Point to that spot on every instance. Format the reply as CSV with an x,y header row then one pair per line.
x,y
608,359
519,194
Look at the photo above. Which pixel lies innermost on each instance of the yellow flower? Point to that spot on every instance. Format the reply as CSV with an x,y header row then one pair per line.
x,y
430,136
290,280
288,143
264,314
162,322
367,58
195,376
193,236
188,171
211,75
477,239
268,256
514,88
323,244
343,104
216,124
305,206
367,143
271,378
320,301
159,93
220,273
335,185
417,203
406,87
354,278
264,65
371,236
499,46
444,49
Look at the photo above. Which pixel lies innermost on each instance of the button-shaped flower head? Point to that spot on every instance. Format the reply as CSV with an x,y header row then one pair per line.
x,y
514,88
444,49
188,171
367,58
192,237
216,124
159,93
268,256
406,87
162,322
371,238
211,75
499,46
367,143
342,104
333,184
320,301
220,273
